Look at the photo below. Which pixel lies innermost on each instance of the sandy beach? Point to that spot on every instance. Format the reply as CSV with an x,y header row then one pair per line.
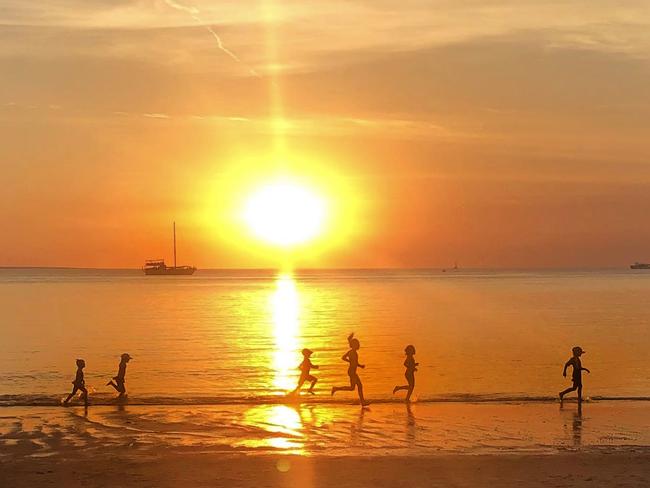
x,y
429,444
196,469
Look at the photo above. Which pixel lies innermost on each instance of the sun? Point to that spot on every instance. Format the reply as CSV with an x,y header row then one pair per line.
x,y
285,213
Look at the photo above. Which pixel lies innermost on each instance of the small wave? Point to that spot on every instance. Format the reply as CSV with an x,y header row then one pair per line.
x,y
99,400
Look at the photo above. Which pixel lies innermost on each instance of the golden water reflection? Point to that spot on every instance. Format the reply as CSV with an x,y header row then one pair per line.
x,y
282,422
285,307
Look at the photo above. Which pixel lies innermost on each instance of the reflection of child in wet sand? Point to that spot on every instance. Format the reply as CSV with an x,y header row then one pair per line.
x,y
409,374
352,357
118,382
305,367
576,376
79,384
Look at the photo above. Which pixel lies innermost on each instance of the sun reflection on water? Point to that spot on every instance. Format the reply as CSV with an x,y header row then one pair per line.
x,y
283,423
285,305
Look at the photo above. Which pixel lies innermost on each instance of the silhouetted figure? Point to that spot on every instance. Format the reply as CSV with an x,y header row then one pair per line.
x,y
576,375
305,368
118,381
352,357
409,374
79,384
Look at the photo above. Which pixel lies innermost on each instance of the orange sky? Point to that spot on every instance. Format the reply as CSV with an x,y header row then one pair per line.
x,y
492,133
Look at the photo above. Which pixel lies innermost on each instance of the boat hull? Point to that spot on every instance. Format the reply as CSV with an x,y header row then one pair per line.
x,y
640,266
170,271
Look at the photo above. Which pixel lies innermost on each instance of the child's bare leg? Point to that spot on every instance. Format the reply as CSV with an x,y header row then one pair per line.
x,y
580,394
411,387
352,386
301,382
568,390
344,388
400,388
360,390
112,383
84,396
67,400
313,383
121,388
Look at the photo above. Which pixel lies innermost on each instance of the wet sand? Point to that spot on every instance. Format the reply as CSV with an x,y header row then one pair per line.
x,y
328,429
198,470
329,445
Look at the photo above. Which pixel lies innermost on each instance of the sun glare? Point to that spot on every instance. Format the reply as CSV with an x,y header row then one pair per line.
x,y
285,214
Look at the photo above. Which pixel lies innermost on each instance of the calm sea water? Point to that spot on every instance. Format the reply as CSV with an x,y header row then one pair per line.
x,y
237,335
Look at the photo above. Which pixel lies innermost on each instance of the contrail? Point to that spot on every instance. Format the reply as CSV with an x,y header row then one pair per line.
x,y
178,6
194,13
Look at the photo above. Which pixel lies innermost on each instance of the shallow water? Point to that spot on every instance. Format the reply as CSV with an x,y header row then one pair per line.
x,y
237,334
340,430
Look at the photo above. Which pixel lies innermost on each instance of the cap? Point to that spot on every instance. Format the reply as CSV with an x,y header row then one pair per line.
x,y
126,356
578,350
307,352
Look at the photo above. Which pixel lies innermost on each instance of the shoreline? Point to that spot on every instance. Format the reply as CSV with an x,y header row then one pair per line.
x,y
104,400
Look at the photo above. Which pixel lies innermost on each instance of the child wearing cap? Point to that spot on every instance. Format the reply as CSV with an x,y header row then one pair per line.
x,y
305,368
119,383
576,375
79,384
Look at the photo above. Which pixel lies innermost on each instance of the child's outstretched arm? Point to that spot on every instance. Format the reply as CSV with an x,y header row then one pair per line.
x,y
346,357
568,363
314,366
585,369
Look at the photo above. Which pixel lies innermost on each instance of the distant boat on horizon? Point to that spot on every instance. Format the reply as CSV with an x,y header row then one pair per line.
x,y
638,265
157,267
455,268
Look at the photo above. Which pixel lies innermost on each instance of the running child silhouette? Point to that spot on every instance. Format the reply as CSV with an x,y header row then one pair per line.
x,y
79,384
352,357
118,381
576,375
305,368
409,374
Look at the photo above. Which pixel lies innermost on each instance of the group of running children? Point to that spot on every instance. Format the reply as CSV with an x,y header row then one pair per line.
x,y
118,382
351,357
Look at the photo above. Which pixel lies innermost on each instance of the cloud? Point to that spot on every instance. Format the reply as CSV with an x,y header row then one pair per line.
x,y
306,29
156,116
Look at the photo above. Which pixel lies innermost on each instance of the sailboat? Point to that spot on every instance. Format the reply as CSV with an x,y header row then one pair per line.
x,y
157,267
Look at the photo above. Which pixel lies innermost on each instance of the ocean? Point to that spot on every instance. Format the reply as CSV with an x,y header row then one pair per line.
x,y
235,336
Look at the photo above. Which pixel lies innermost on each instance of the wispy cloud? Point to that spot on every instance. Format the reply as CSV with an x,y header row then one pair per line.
x,y
156,116
326,125
31,106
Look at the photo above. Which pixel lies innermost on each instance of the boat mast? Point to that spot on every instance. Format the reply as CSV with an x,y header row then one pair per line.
x,y
174,244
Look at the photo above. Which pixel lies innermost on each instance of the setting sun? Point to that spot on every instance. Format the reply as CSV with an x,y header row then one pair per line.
x,y
285,213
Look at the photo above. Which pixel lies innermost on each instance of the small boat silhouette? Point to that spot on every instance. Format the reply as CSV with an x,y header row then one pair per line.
x,y
157,267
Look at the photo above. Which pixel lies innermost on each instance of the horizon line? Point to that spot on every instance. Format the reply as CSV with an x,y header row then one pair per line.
x,y
361,268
